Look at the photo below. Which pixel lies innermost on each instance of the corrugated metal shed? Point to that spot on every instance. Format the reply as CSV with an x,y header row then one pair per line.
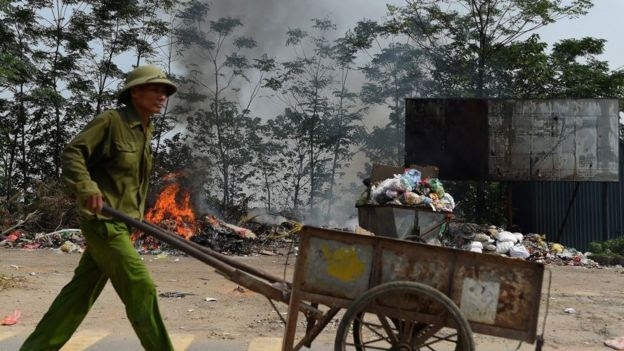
x,y
540,207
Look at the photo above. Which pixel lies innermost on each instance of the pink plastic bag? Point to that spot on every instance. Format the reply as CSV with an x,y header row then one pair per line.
x,y
11,319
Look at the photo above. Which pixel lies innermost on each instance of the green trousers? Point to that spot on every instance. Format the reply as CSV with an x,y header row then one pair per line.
x,y
109,255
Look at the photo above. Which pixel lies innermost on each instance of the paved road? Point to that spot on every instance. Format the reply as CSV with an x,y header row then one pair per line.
x,y
102,340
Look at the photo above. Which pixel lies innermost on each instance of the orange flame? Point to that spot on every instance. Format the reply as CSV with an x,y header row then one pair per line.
x,y
166,207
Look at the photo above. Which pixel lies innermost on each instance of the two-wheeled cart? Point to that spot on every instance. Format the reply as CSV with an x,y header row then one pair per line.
x,y
398,295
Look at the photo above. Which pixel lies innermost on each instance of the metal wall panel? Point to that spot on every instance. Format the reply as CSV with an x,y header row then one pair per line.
x,y
556,139
540,207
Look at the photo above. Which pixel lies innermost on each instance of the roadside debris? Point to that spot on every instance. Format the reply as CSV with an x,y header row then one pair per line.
x,y
570,310
531,247
68,247
68,240
11,319
8,282
175,294
616,344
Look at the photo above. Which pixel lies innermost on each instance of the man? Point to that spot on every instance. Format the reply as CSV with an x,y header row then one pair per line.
x,y
109,162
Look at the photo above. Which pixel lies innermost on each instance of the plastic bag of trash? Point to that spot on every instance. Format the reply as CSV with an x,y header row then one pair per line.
x,y
482,237
556,248
411,177
518,236
392,194
410,198
505,236
436,187
476,244
503,247
519,251
446,203
386,190
490,247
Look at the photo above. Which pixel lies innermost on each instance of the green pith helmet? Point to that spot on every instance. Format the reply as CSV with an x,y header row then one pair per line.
x,y
144,75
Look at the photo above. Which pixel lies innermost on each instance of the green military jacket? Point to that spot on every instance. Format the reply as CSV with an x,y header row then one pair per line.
x,y
111,156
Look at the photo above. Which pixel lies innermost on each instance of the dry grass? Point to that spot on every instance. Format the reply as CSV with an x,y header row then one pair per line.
x,y
10,282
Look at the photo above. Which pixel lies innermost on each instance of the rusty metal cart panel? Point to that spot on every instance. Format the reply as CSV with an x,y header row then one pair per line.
x,y
499,296
402,222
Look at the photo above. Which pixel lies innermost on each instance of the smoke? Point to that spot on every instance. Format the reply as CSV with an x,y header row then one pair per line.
x,y
267,22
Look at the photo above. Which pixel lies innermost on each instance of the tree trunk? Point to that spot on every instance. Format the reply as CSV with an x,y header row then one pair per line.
x,y
9,171
57,109
22,126
337,146
107,63
298,183
267,187
331,184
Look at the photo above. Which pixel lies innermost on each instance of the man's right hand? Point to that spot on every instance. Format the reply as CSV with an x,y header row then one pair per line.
x,y
95,203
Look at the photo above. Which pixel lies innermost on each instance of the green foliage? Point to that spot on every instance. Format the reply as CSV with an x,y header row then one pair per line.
x,y
610,252
464,37
612,246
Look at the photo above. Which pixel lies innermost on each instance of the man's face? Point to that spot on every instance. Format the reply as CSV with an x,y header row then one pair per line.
x,y
149,97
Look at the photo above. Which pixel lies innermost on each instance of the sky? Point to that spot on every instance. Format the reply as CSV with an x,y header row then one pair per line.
x,y
603,21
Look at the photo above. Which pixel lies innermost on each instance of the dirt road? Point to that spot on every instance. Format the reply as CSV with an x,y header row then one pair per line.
x,y
239,317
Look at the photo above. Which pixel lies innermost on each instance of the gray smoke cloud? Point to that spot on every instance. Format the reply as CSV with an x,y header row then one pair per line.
x,y
267,22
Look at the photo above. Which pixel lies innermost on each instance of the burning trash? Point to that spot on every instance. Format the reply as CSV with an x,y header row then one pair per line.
x,y
176,217
173,212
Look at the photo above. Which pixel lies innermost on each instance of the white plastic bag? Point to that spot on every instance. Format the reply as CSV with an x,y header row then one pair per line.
x,y
502,247
506,237
448,202
476,245
482,237
519,251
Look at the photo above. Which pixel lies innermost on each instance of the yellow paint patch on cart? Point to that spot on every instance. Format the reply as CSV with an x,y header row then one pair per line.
x,y
343,263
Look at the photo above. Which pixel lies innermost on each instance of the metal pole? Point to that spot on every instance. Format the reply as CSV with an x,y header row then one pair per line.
x,y
605,211
567,214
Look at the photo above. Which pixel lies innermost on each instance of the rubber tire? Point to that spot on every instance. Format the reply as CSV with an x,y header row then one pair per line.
x,y
464,331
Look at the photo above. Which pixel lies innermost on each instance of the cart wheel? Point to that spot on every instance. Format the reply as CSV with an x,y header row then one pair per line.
x,y
373,330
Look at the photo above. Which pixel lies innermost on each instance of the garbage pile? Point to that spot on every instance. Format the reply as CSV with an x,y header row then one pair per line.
x,y
410,190
211,232
256,236
531,247
67,240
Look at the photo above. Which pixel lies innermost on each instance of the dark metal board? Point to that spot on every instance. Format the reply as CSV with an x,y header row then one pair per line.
x,y
513,139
